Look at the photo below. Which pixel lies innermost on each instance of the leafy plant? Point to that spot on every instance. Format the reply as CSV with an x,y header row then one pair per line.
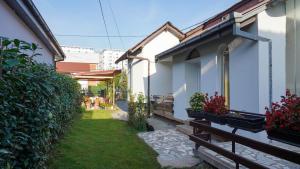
x,y
37,105
215,104
285,114
137,116
197,101
131,110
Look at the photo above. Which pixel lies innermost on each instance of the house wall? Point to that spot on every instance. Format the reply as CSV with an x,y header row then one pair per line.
x,y
160,73
243,74
248,67
272,24
14,28
179,87
292,43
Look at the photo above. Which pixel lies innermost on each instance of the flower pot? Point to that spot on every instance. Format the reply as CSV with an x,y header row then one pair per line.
x,y
220,119
195,114
245,121
285,135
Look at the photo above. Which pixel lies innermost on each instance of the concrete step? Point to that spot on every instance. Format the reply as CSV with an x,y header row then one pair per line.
x,y
185,129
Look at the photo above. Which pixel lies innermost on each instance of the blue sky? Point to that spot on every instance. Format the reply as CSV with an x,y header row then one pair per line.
x,y
134,17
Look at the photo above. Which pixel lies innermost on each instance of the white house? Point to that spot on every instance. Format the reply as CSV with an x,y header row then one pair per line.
x,y
143,53
21,20
248,53
108,58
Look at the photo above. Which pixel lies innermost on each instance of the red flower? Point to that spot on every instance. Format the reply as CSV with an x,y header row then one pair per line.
x,y
285,114
215,104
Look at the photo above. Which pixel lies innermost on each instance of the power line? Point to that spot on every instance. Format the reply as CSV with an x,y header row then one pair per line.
x,y
199,23
104,23
100,36
115,20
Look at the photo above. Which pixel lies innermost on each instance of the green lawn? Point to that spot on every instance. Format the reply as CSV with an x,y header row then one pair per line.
x,y
96,141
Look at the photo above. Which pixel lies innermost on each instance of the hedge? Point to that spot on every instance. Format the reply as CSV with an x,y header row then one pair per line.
x,y
36,106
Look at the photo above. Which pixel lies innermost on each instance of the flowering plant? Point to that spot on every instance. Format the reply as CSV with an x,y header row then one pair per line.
x,y
197,101
285,114
215,104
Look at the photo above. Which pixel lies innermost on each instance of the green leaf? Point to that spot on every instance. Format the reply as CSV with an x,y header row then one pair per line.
x,y
33,46
12,62
17,42
4,151
6,42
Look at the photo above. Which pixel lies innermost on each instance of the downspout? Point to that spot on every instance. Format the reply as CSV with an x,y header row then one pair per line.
x,y
148,80
238,32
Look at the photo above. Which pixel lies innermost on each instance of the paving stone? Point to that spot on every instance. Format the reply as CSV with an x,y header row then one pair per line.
x,y
174,148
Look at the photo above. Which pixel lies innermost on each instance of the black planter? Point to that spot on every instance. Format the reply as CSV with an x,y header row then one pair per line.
x,y
195,114
220,119
245,121
285,135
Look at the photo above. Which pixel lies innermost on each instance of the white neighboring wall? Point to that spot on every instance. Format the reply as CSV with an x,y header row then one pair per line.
x,y
160,73
13,27
108,57
81,55
84,84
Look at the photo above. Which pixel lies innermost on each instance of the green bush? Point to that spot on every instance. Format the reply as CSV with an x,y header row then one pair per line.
x,y
131,110
36,106
137,116
197,101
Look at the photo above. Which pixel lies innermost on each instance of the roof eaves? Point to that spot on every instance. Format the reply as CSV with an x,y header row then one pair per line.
x,y
195,39
167,26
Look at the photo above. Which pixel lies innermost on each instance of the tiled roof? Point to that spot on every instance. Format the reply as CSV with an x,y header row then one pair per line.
x,y
73,67
242,7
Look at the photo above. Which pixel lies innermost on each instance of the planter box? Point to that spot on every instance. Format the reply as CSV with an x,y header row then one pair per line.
x,y
285,135
245,121
215,118
194,114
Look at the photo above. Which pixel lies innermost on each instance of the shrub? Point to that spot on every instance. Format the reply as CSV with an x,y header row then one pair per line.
x,y
197,101
36,106
215,104
285,114
137,116
131,110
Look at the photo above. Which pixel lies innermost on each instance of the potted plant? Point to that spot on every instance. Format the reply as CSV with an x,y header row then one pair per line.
x,y
215,108
245,120
197,105
283,119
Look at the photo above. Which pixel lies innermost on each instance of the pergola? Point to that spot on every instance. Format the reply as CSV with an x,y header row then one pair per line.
x,y
99,75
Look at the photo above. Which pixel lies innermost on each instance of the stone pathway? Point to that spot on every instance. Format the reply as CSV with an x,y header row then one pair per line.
x,y
121,113
262,158
174,148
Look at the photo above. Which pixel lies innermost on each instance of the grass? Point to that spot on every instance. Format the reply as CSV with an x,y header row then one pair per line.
x,y
96,141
